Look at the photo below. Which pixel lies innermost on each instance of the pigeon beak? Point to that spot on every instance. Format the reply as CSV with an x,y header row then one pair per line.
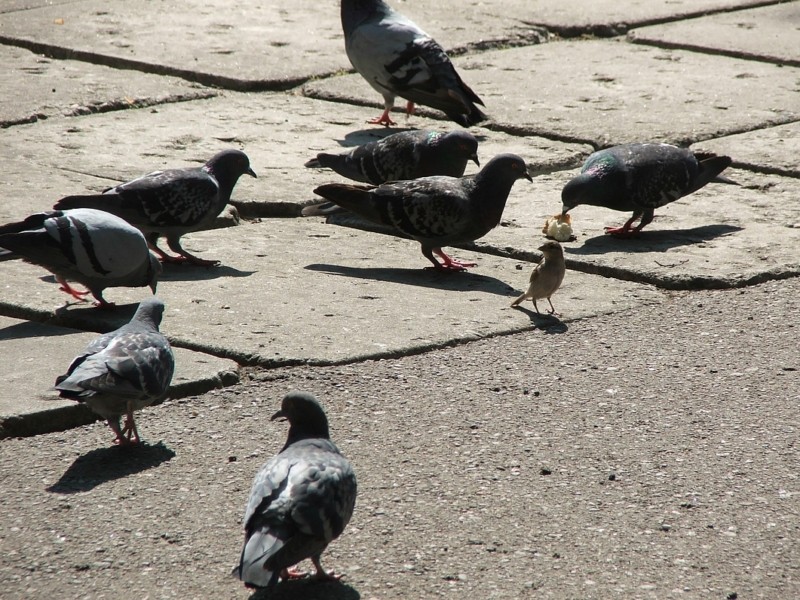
x,y
251,172
153,286
278,415
474,158
564,210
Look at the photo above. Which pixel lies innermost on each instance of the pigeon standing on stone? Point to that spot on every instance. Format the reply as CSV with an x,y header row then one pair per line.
x,y
397,58
404,155
123,371
172,203
546,277
94,248
641,178
301,499
436,211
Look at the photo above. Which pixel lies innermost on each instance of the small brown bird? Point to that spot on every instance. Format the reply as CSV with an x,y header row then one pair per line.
x,y
546,277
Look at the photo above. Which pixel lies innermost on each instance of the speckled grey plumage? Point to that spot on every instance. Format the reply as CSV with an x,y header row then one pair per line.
x,y
397,58
640,178
94,248
172,203
404,155
301,499
123,371
436,211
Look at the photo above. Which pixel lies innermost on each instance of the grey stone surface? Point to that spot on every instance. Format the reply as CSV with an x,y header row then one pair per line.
x,y
608,92
300,291
278,131
34,354
769,33
36,87
774,149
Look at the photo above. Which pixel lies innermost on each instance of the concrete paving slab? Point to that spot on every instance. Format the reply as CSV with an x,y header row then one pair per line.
x,y
264,45
608,91
770,150
14,5
770,33
297,291
720,236
279,132
35,87
35,354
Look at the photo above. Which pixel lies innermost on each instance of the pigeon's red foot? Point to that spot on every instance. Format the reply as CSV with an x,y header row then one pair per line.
x,y
384,120
451,264
67,288
293,573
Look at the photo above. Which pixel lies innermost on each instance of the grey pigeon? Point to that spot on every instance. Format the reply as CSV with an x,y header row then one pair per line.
x,y
92,247
546,277
172,203
397,58
436,211
404,155
301,499
123,371
641,178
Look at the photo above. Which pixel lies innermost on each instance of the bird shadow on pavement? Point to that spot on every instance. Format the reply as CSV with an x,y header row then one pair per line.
x,y
29,329
107,464
652,241
546,322
307,589
199,273
429,278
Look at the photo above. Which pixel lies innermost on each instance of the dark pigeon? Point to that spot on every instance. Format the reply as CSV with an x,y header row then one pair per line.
x,y
123,371
404,155
436,211
641,178
397,58
301,499
172,203
95,248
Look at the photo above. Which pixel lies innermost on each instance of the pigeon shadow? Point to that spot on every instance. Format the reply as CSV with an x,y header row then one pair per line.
x,y
463,281
652,241
546,322
28,329
184,272
107,464
307,589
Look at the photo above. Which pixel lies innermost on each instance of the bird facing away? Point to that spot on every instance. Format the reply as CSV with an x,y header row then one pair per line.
x,y
123,371
546,277
397,58
641,178
436,211
301,499
404,155
97,249
172,203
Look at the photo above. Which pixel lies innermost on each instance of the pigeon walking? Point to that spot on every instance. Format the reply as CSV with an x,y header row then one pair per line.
x,y
404,155
301,499
641,178
97,249
123,371
172,203
436,211
397,58
546,277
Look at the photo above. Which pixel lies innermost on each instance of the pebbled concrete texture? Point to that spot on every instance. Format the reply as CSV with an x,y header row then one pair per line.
x,y
41,352
57,88
608,92
770,33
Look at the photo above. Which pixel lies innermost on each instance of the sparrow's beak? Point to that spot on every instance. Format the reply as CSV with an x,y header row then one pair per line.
x,y
278,415
251,172
474,158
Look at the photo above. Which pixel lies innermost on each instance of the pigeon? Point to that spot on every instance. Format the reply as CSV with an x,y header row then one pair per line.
x,y
546,277
641,178
172,203
123,371
436,211
301,499
404,155
397,58
94,248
